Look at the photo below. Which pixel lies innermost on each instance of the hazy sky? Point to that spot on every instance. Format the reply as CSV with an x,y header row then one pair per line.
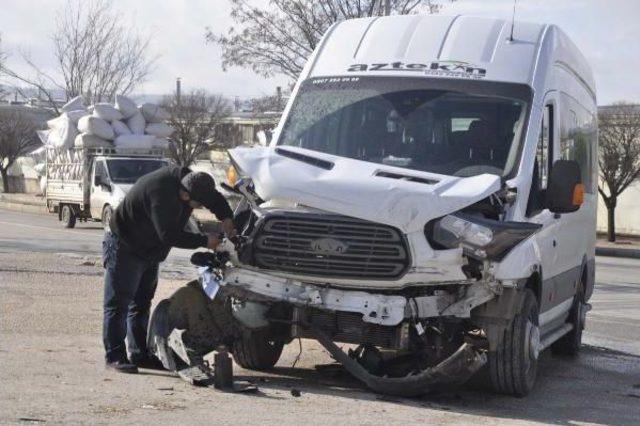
x,y
607,31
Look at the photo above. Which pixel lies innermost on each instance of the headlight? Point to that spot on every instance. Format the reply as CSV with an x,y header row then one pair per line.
x,y
232,176
480,237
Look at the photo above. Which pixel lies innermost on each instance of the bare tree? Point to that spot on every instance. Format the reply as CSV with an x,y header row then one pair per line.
x,y
278,38
97,55
196,118
3,58
619,156
17,138
273,103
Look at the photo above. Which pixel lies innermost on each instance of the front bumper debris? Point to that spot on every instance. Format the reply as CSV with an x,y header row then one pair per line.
x,y
456,369
382,309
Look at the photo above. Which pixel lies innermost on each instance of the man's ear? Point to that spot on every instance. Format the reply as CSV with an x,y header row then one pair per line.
x,y
184,195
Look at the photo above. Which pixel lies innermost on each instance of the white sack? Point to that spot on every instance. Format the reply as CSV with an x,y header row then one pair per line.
x,y
43,135
160,130
160,143
107,112
75,116
96,126
85,140
136,123
74,104
134,141
43,185
119,128
126,106
63,132
153,113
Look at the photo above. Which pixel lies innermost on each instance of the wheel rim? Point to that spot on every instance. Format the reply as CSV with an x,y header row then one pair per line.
x,y
106,220
66,214
532,347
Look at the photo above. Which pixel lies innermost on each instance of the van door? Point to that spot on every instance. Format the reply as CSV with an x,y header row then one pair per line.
x,y
577,230
99,193
548,237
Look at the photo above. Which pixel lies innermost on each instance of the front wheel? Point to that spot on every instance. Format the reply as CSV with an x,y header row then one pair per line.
x,y
107,212
256,350
514,364
68,216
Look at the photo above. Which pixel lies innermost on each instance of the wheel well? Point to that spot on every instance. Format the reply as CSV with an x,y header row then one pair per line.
x,y
534,283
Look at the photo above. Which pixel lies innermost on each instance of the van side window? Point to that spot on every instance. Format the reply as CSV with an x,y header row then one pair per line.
x,y
577,139
100,171
542,165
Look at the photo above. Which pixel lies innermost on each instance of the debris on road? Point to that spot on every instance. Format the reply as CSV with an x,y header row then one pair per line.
x,y
296,393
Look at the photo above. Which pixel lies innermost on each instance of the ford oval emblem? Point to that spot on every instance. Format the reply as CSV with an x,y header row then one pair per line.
x,y
328,246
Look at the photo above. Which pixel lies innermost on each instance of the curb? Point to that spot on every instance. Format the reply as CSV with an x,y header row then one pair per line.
x,y
618,252
23,208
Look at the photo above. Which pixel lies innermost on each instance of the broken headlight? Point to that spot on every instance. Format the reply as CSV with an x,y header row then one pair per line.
x,y
480,237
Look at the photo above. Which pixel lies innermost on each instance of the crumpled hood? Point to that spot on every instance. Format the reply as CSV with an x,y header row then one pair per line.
x,y
354,188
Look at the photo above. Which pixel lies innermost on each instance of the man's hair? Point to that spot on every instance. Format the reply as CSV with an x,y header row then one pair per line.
x,y
199,185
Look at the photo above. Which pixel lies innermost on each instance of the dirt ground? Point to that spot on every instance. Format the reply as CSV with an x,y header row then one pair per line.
x,y
52,370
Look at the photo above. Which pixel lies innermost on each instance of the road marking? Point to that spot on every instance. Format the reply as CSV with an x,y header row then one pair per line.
x,y
47,228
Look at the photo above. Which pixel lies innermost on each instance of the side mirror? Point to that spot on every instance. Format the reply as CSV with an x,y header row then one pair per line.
x,y
565,191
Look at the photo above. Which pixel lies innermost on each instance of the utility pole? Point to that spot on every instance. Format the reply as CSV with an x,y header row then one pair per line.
x,y
178,90
279,97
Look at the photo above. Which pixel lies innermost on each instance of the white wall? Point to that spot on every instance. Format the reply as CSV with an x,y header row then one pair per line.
x,y
627,212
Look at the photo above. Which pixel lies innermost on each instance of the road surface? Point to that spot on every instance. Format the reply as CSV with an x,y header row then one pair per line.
x,y
51,366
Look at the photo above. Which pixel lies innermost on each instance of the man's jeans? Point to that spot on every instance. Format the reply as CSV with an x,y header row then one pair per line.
x,y
129,285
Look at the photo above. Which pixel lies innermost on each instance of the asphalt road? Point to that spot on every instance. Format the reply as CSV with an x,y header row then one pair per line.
x,y
51,365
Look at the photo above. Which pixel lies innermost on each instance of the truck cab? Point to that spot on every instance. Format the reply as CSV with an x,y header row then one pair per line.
x,y
111,180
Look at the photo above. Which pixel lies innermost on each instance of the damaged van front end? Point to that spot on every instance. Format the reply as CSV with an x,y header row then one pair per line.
x,y
403,264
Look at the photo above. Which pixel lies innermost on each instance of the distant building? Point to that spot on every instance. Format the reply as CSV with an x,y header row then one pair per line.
x,y
241,128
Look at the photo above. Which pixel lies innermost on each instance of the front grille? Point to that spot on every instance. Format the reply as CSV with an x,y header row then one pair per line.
x,y
330,246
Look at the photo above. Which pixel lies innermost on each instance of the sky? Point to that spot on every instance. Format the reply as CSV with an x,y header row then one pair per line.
x,y
607,32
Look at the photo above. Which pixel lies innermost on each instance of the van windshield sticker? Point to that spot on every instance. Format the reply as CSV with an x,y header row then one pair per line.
x,y
326,80
455,69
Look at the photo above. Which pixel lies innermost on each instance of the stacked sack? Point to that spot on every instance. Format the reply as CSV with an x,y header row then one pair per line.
x,y
103,125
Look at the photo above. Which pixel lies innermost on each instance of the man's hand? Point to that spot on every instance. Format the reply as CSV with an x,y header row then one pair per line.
x,y
213,242
229,228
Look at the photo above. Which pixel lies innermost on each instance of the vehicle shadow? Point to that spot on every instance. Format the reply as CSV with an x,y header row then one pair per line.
x,y
599,386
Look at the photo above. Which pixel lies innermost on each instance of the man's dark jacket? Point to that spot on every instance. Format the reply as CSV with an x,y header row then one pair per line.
x,y
151,218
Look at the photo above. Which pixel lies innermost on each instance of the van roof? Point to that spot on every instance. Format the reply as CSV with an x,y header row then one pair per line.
x,y
445,46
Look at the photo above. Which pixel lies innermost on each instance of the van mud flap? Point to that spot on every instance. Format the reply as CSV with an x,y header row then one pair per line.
x,y
456,369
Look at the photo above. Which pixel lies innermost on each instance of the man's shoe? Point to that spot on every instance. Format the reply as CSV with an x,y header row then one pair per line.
x,y
149,363
122,367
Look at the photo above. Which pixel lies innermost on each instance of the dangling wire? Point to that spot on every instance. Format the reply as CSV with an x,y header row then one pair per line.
x,y
295,361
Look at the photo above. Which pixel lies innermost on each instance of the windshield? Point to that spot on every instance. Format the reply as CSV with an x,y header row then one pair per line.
x,y
129,171
440,126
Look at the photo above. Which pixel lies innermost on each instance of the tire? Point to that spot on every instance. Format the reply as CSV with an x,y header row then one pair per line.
x,y
514,364
570,343
107,212
68,216
256,350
